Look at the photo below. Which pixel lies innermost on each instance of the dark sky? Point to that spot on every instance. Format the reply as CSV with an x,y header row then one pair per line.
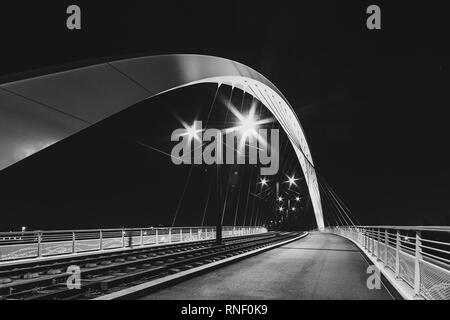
x,y
373,103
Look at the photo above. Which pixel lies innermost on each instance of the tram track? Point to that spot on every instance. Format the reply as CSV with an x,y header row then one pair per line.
x,y
107,272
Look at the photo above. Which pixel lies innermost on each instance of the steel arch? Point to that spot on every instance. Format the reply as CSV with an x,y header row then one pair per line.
x,y
40,111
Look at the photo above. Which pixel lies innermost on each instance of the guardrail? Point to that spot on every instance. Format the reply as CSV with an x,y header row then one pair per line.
x,y
35,244
418,256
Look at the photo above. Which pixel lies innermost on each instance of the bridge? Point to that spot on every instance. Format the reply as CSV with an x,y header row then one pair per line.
x,y
256,259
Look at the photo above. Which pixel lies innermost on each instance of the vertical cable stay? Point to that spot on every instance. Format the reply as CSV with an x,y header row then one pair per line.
x,y
224,205
336,210
182,195
339,210
331,210
229,171
207,202
258,213
211,108
237,205
340,201
192,166
238,200
255,199
249,183
333,194
212,105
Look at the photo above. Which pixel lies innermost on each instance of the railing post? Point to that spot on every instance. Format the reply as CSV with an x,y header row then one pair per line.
x,y
417,258
123,238
170,235
101,240
190,234
156,236
378,245
181,235
74,249
142,238
373,242
386,244
365,238
397,254
39,244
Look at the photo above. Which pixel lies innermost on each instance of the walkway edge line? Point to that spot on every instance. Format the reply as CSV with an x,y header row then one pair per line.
x,y
401,287
178,277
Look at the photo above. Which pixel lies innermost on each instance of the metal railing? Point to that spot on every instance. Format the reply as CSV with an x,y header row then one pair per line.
x,y
418,256
35,244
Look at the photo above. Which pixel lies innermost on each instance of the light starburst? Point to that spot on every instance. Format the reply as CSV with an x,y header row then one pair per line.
x,y
192,131
248,124
263,182
292,180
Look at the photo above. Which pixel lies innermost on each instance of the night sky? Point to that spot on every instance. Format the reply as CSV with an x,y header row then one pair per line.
x,y
373,104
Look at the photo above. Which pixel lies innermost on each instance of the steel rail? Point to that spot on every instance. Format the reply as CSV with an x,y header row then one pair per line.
x,y
104,277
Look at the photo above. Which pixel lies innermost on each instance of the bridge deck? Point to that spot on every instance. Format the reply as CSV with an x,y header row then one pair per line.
x,y
320,266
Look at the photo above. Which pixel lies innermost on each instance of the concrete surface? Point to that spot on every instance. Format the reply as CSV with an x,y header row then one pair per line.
x,y
320,266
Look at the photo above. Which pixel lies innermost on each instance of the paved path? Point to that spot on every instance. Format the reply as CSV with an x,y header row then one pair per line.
x,y
319,266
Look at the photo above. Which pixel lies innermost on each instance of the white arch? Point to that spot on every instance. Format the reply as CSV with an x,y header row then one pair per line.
x,y
40,111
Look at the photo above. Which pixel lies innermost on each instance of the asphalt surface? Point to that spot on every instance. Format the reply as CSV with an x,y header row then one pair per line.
x,y
319,266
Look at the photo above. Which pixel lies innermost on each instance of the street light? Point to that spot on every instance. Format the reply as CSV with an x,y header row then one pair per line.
x,y
263,182
192,131
247,124
291,180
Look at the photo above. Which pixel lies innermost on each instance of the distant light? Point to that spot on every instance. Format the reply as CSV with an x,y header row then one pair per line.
x,y
280,209
24,229
297,198
263,182
293,209
280,198
291,180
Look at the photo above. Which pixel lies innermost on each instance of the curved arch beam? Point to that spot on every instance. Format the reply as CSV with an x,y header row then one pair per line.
x,y
38,112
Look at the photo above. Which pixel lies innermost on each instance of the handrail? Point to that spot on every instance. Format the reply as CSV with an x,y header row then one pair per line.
x,y
423,267
411,228
96,230
36,244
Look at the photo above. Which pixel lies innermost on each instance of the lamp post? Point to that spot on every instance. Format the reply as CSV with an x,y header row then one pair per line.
x,y
219,207
246,126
